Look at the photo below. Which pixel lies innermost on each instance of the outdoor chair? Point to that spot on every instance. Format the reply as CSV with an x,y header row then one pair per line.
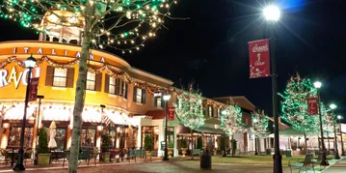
x,y
131,154
84,155
302,164
67,156
27,155
318,161
6,156
94,154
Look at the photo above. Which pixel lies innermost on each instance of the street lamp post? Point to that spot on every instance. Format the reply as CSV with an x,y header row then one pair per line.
x,y
342,141
30,63
334,118
324,161
272,14
40,97
166,98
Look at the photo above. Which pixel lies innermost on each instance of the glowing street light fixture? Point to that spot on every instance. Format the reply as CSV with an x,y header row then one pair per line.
x,y
317,84
272,13
332,106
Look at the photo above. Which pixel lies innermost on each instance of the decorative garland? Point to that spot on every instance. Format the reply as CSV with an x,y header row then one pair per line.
x,y
51,62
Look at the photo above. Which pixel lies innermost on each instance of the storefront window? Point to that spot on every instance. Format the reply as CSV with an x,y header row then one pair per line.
x,y
60,76
146,131
88,137
90,81
60,138
14,139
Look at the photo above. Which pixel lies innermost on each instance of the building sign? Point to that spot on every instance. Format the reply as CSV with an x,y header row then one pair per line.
x,y
157,94
259,58
312,106
8,77
33,89
171,112
163,145
49,52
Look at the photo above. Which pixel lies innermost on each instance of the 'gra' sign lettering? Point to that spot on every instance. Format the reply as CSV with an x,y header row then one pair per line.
x,y
6,78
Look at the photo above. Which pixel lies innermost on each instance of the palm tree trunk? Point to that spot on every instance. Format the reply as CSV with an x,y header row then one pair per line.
x,y
79,102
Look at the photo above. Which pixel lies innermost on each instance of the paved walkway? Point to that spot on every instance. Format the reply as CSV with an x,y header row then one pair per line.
x,y
174,166
339,167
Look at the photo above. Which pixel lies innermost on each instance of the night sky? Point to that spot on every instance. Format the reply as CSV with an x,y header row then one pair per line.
x,y
211,47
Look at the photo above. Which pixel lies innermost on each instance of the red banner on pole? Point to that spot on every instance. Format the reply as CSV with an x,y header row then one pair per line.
x,y
33,89
259,58
312,106
171,112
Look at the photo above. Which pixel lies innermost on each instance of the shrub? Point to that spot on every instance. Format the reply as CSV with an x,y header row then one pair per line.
x,y
42,142
199,143
183,143
148,143
170,144
106,142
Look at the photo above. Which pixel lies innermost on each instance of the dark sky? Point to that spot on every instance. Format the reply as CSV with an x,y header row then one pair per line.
x,y
211,47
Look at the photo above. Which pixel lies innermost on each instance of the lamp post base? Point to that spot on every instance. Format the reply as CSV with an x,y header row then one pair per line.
x,y
337,157
19,167
277,163
165,159
324,161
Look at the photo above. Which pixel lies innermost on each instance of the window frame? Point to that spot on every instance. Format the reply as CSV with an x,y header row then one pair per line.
x,y
90,80
60,77
112,85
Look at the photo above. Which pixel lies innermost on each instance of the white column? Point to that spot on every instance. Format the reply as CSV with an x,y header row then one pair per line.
x,y
139,136
161,137
176,150
51,38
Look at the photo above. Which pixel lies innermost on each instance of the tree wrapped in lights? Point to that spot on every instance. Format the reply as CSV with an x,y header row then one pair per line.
x,y
190,110
295,108
231,123
294,105
120,24
260,124
231,120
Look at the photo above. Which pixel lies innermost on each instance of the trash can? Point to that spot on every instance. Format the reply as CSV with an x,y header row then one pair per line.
x,y
205,161
288,153
268,151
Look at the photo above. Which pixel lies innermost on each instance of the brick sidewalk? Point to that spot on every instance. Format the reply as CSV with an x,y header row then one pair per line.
x,y
339,167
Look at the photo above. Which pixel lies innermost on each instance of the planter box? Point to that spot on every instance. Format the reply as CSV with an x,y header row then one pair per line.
x,y
43,159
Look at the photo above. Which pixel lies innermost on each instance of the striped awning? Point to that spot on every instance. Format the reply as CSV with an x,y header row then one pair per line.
x,y
56,113
17,113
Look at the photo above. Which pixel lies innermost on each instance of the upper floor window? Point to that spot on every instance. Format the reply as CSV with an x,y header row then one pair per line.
x,y
112,85
218,113
90,85
139,95
159,102
60,76
124,89
210,111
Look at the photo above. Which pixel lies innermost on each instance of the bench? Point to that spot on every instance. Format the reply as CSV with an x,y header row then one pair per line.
x,y
299,164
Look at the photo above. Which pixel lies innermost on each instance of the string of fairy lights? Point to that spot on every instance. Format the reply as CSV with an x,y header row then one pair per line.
x,y
123,25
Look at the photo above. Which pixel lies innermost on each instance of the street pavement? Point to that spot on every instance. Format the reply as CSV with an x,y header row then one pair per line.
x,y
175,166
339,167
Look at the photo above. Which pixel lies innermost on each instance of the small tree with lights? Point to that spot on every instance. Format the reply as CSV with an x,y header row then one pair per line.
x,y
260,123
190,111
123,25
231,123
